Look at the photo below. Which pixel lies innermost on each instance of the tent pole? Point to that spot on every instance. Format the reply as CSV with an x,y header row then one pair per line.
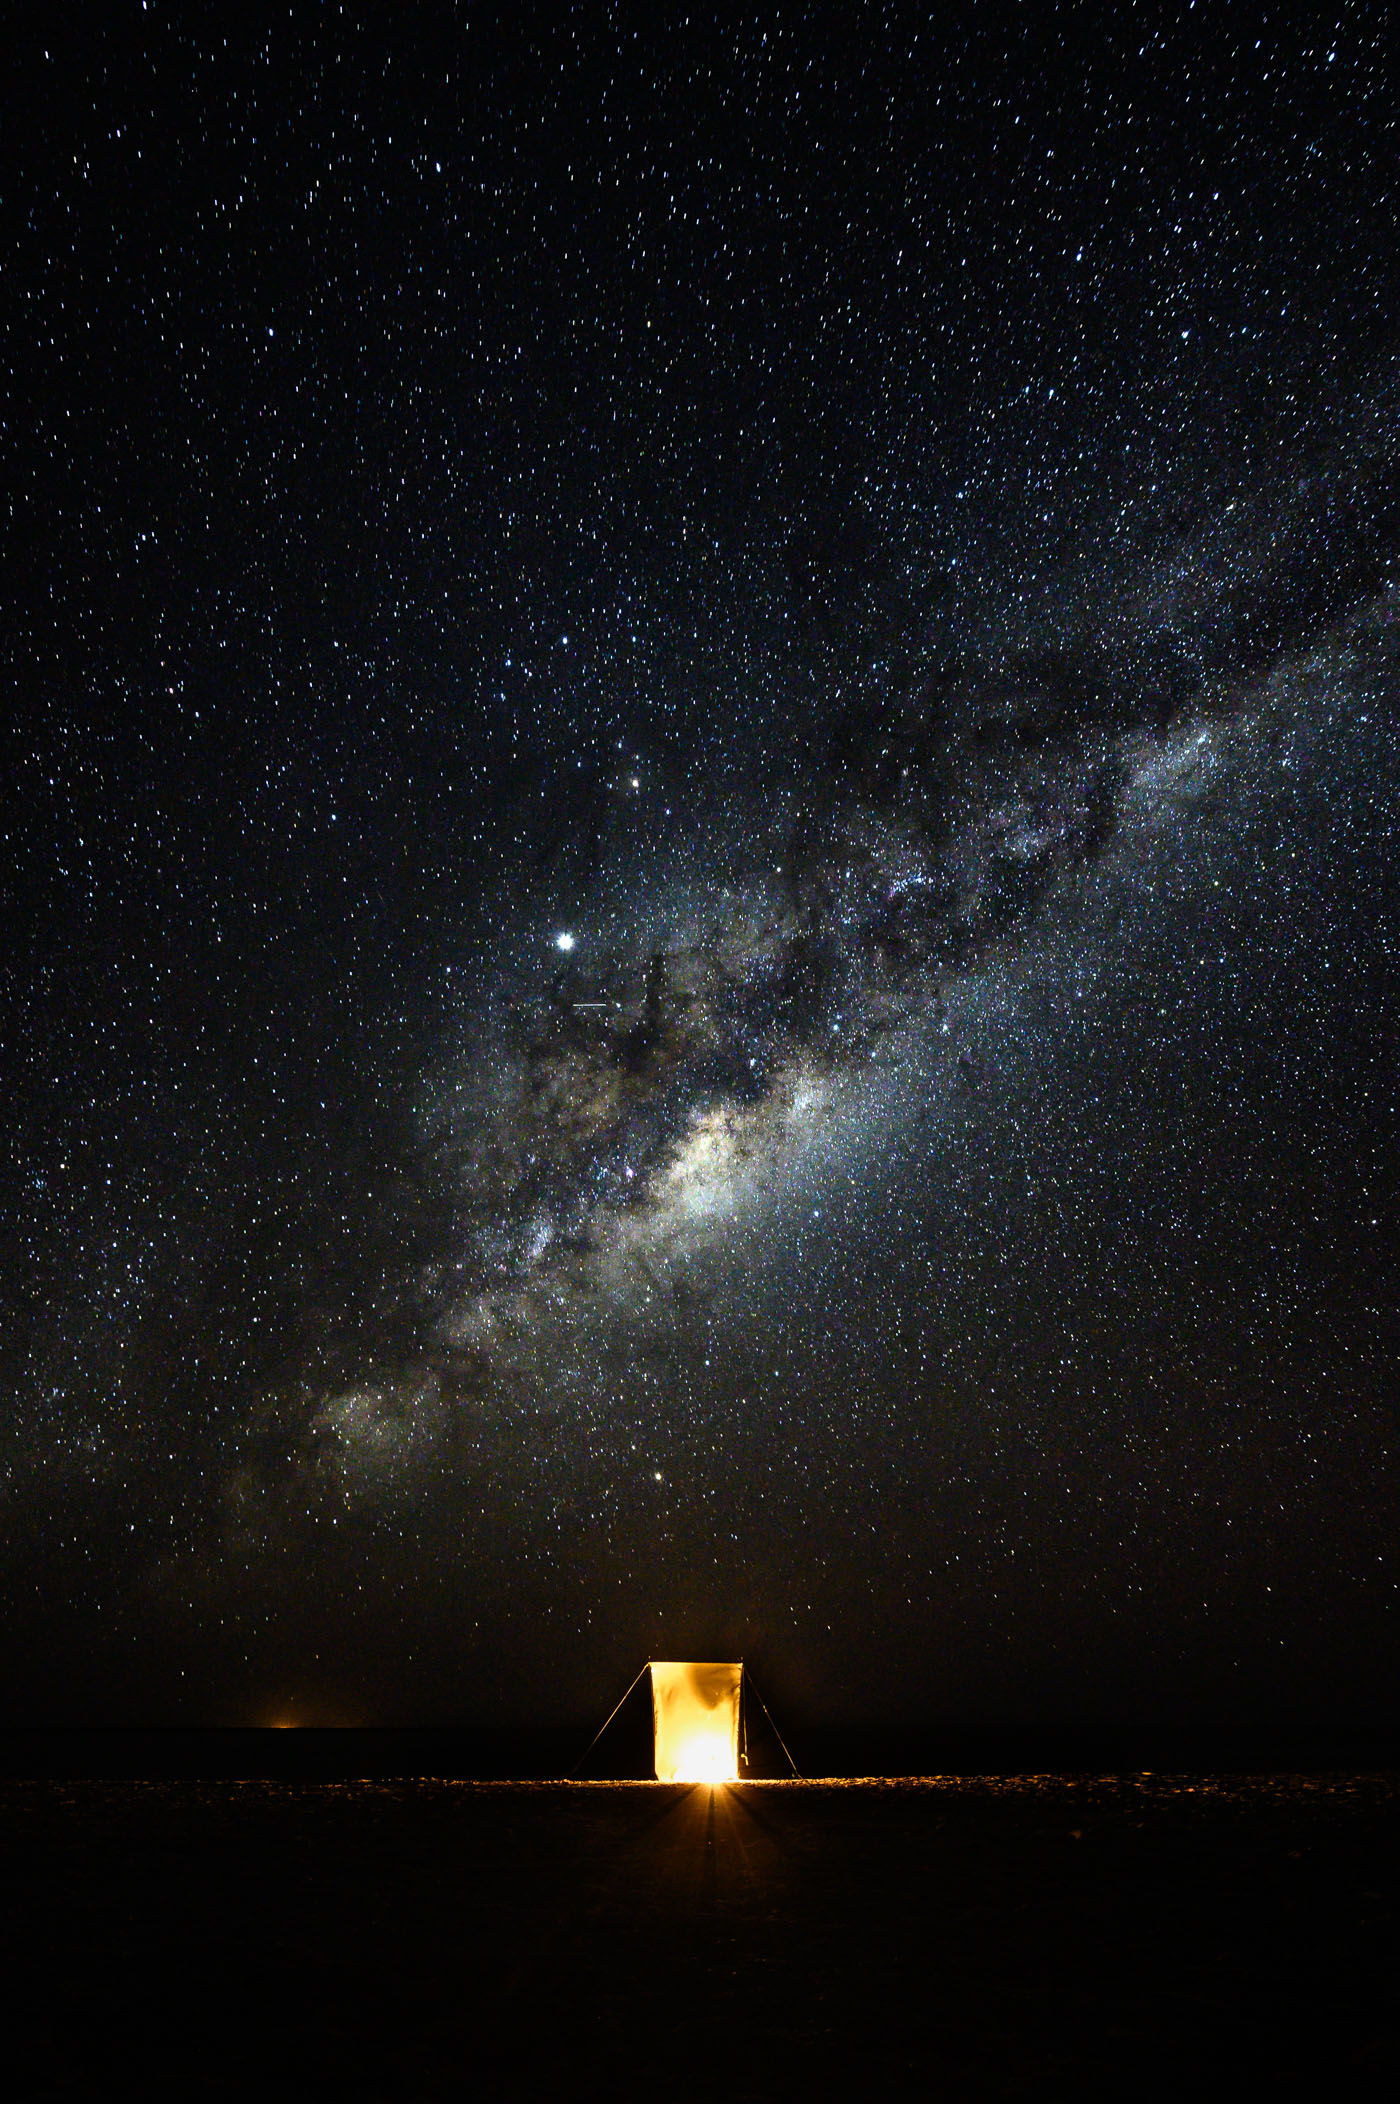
x,y
776,1733
573,1772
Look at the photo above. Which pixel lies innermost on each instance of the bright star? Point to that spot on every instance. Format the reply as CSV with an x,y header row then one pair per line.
x,y
564,941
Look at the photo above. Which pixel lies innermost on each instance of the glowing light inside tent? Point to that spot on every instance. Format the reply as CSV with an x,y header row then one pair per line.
x,y
700,1761
695,1708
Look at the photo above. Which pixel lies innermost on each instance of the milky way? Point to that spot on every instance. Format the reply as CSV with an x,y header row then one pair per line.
x,y
704,874
652,1075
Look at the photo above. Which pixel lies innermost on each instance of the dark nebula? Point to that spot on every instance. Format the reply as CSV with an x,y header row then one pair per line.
x,y
701,870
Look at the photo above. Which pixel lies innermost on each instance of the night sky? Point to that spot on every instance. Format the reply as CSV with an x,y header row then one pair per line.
x,y
700,863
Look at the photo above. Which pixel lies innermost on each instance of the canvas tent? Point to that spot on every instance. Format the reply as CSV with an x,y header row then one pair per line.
x,y
695,1711
698,1710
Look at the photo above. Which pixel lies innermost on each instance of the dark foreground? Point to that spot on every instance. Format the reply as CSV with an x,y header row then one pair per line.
x,y
1134,1937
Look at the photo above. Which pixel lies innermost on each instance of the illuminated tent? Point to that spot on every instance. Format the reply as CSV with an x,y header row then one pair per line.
x,y
695,1709
698,1720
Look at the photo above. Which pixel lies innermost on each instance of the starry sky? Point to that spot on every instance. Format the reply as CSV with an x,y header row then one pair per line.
x,y
700,863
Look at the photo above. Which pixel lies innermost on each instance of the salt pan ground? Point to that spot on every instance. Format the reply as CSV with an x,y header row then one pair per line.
x,y
1137,1936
